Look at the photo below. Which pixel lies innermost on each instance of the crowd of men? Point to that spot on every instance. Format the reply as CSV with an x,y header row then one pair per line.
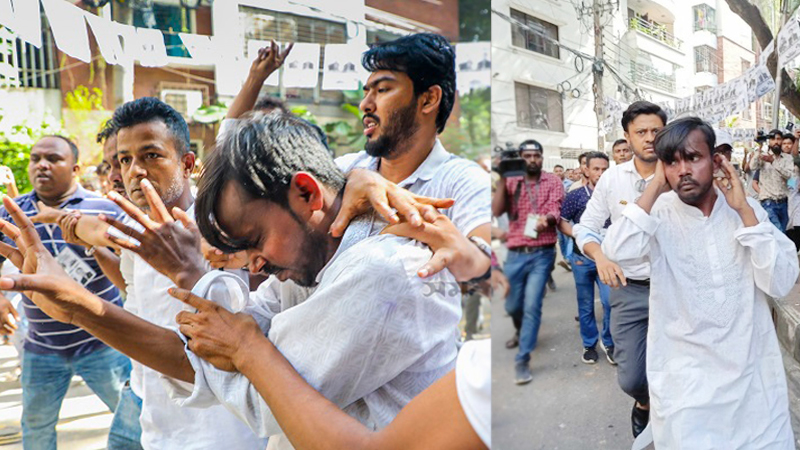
x,y
348,315
683,260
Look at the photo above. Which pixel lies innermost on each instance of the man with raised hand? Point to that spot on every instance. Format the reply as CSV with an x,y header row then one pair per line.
x,y
714,364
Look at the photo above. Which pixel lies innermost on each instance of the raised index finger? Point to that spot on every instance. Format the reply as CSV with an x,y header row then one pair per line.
x,y
30,238
190,299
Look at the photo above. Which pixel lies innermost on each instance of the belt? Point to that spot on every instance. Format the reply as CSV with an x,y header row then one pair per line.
x,y
780,200
639,282
527,249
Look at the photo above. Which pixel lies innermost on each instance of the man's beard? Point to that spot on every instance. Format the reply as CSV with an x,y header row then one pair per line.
x,y
313,257
533,170
396,133
777,149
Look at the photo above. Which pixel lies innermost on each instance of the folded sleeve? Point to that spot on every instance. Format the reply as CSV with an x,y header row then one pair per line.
x,y
628,240
594,217
772,254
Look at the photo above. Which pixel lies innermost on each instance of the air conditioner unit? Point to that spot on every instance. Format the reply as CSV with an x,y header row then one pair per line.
x,y
184,101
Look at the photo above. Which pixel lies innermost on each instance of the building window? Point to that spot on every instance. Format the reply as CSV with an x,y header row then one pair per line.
x,y
263,25
705,18
537,36
23,65
705,59
539,108
766,110
171,20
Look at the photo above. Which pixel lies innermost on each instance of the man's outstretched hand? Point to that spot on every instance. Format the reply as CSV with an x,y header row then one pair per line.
x,y
42,278
215,334
170,248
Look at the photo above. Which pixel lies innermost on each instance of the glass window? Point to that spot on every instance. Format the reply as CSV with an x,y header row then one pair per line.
x,y
705,18
539,108
538,36
264,25
705,59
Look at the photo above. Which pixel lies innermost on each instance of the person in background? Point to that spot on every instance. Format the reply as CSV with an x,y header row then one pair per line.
x,y
724,143
775,168
621,151
7,181
582,174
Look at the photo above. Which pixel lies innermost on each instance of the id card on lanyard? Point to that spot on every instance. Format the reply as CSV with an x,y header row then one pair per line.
x,y
533,219
71,262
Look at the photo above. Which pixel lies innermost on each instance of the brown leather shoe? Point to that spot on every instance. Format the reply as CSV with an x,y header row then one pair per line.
x,y
513,342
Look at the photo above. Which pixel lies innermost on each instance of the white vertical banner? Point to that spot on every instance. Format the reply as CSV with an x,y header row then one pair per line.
x,y
788,42
131,49
342,69
68,27
26,20
473,66
301,68
153,50
200,47
253,45
106,34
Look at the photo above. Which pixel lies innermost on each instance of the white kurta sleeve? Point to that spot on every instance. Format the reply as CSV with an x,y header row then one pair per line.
x,y
593,219
773,255
353,335
627,241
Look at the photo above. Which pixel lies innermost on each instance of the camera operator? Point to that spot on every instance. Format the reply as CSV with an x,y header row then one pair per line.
x,y
533,203
775,168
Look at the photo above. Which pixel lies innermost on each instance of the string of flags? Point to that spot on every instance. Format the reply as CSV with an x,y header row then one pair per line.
x,y
121,44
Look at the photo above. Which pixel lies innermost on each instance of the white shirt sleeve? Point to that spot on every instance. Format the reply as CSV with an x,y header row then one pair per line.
x,y
472,192
474,386
590,227
627,241
772,254
349,338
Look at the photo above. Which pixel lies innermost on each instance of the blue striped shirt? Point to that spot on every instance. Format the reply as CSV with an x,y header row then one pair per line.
x,y
46,335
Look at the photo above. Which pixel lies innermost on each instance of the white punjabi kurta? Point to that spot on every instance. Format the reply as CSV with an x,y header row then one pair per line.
x,y
713,362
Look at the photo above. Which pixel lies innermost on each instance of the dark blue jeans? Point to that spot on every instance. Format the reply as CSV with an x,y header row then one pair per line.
x,y
46,378
778,213
585,272
565,245
527,275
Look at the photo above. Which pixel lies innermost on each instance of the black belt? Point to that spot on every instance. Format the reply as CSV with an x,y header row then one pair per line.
x,y
527,249
780,200
639,282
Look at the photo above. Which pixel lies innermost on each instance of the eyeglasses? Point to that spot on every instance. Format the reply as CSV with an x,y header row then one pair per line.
x,y
641,185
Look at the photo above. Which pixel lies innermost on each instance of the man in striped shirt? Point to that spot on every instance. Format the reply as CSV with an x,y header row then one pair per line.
x,y
55,351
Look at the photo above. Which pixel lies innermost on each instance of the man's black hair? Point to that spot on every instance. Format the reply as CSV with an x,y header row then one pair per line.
x,y
790,136
109,129
149,109
261,154
642,108
672,138
618,142
592,155
268,103
582,156
557,166
72,146
427,58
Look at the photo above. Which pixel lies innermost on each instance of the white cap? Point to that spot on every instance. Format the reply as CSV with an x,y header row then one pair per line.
x,y
723,137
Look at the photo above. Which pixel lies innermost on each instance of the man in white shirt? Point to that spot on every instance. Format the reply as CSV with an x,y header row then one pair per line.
x,y
371,336
619,186
713,359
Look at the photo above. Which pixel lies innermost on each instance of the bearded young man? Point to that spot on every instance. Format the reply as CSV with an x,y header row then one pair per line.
x,y
713,362
619,186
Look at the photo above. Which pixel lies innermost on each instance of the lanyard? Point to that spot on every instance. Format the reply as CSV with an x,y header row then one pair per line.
x,y
531,197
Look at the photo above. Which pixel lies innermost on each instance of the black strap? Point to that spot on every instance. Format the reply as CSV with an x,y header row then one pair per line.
x,y
515,207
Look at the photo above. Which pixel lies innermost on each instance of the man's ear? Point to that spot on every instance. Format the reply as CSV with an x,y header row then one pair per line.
x,y
431,100
188,161
717,158
306,192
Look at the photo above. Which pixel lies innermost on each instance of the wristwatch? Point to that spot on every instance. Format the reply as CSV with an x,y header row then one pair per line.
x,y
482,245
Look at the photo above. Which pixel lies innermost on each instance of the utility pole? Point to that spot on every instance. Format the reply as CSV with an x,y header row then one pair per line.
x,y
597,9
776,103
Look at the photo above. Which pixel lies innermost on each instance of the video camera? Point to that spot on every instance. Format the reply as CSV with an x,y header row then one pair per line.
x,y
761,136
511,163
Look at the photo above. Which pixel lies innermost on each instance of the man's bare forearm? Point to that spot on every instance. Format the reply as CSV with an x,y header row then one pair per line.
x,y
156,347
109,264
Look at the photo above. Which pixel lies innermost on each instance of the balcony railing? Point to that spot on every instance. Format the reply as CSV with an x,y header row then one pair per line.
x,y
649,76
656,31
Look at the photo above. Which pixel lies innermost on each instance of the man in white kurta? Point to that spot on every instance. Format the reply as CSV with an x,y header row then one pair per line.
x,y
713,361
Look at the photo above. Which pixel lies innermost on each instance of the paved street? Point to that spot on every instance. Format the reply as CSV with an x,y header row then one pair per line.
x,y
569,404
